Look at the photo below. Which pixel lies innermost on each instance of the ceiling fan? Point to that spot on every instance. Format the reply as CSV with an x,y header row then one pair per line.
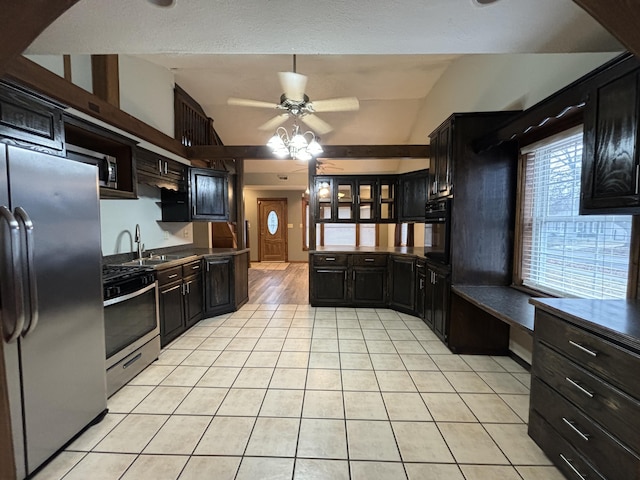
x,y
322,167
295,103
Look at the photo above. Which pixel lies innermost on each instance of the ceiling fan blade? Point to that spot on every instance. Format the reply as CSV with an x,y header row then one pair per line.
x,y
344,104
245,102
274,122
293,85
319,126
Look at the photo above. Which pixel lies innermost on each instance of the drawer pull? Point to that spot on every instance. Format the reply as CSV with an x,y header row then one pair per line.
x,y
195,267
573,427
173,276
584,349
330,259
369,259
579,387
574,469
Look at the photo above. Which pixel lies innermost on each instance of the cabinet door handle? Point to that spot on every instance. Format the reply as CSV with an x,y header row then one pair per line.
x,y
579,387
573,427
637,177
193,211
173,276
354,275
160,166
188,288
584,349
166,167
573,469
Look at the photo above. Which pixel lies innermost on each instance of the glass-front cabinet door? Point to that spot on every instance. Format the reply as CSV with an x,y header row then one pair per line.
x,y
324,196
387,199
345,200
366,200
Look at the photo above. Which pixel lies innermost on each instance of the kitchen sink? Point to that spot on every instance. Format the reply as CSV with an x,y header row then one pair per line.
x,y
157,259
148,261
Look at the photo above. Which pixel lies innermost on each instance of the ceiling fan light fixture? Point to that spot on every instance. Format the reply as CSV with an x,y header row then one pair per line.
x,y
299,146
314,148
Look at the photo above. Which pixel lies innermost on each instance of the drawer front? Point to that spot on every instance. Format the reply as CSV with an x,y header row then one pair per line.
x,y
560,452
191,268
169,275
602,402
604,452
372,260
328,259
617,365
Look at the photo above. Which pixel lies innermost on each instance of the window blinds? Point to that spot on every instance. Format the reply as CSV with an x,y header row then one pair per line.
x,y
564,253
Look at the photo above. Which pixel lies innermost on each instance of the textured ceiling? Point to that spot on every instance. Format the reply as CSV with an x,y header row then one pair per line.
x,y
387,53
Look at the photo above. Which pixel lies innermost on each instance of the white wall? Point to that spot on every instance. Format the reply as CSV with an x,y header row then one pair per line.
x,y
146,92
118,219
476,83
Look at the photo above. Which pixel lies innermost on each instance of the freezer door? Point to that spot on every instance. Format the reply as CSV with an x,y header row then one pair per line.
x,y
9,350
62,360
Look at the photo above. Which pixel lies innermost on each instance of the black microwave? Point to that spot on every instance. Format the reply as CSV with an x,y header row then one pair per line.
x,y
107,166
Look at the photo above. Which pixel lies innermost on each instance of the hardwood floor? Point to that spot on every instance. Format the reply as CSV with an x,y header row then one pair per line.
x,y
279,283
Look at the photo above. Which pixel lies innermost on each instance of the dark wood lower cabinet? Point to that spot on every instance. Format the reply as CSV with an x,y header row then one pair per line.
x,y
329,286
369,286
193,300
226,283
171,312
402,282
218,285
584,390
421,287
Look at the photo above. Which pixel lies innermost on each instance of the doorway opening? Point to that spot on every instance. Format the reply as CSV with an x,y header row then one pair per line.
x,y
272,230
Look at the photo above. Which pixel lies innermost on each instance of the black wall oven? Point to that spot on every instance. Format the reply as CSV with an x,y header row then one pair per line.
x,y
131,323
437,231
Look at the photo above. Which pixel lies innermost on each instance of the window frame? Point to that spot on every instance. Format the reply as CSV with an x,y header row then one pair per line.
x,y
633,274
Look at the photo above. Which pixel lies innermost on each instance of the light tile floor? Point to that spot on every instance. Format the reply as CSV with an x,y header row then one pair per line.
x,y
303,393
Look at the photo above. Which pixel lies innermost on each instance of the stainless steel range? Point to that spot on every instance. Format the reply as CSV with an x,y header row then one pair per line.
x,y
132,331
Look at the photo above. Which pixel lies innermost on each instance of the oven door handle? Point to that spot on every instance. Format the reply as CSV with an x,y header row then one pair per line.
x,y
129,296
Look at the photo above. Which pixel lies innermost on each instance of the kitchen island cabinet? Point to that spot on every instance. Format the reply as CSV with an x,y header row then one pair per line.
x,y
363,277
226,283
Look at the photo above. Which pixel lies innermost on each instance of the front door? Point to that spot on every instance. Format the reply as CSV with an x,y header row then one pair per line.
x,y
272,235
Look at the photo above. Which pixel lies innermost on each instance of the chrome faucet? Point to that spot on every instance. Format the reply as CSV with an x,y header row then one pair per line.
x,y
138,240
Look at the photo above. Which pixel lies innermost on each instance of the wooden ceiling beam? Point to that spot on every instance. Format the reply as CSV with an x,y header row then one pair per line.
x,y
209,152
620,17
23,21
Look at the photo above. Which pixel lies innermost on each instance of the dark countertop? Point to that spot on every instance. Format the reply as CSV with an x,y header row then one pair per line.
x,y
415,251
186,255
506,303
617,319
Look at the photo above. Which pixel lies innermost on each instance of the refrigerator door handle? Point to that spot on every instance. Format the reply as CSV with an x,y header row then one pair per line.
x,y
14,292
23,218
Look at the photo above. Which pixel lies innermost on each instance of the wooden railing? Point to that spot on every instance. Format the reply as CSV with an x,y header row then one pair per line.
x,y
192,126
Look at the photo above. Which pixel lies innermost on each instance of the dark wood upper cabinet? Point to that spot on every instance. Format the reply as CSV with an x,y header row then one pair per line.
x,y
29,121
159,171
610,182
441,176
207,198
414,189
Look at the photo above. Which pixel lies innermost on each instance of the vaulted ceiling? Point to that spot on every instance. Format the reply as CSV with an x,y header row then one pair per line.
x,y
388,54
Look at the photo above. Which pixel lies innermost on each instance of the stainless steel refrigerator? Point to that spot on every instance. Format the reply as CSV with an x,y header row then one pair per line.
x,y
51,301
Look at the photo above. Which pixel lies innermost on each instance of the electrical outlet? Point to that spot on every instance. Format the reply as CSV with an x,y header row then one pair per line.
x,y
186,233
165,235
